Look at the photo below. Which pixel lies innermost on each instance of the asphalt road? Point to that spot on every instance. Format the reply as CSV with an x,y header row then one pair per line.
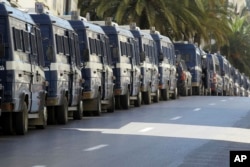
x,y
197,131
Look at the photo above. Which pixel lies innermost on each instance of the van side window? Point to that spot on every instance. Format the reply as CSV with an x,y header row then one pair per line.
x,y
66,45
17,38
128,50
59,44
77,50
33,44
98,47
92,46
137,57
123,48
39,47
26,42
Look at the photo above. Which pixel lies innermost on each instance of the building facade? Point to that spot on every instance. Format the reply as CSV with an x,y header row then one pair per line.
x,y
54,7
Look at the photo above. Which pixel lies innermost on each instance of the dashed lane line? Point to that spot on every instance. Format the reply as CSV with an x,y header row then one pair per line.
x,y
96,147
197,109
176,118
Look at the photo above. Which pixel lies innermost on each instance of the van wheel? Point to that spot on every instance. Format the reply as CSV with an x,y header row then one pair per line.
x,y
51,115
7,123
190,93
147,97
111,109
167,93
175,94
164,94
138,100
98,110
77,114
125,101
117,102
156,98
185,91
62,112
21,119
44,118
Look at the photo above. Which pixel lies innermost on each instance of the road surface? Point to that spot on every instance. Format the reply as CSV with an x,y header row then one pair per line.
x,y
196,131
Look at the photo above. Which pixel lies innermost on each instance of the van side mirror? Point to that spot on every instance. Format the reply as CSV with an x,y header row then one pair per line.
x,y
115,52
86,55
223,73
2,50
142,56
161,56
49,53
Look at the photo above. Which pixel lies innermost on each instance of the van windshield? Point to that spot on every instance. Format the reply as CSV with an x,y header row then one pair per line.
x,y
188,55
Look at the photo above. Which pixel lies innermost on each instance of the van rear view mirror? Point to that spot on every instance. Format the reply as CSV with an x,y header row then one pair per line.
x,y
115,52
49,53
161,56
86,56
142,56
223,73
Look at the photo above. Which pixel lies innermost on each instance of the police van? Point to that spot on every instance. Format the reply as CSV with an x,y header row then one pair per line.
x,y
22,79
97,67
225,72
62,68
125,62
192,55
163,45
149,65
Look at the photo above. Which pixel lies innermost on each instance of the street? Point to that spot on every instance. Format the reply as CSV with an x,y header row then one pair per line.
x,y
194,131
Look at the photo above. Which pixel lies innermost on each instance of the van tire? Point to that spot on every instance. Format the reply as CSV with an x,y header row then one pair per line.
x,y
51,115
156,98
21,120
147,97
184,91
62,112
138,100
175,94
125,101
163,94
98,110
190,93
117,102
111,109
77,114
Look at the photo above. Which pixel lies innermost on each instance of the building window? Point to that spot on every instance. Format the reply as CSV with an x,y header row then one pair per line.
x,y
67,7
54,4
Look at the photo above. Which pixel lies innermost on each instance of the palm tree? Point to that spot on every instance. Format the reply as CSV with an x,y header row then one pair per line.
x,y
180,19
238,50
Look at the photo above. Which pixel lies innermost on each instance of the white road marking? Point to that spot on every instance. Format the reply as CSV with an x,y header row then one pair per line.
x,y
197,109
96,147
176,118
146,129
216,133
223,100
39,166
212,104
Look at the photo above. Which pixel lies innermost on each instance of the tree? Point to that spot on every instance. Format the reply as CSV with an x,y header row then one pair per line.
x,y
179,19
238,50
